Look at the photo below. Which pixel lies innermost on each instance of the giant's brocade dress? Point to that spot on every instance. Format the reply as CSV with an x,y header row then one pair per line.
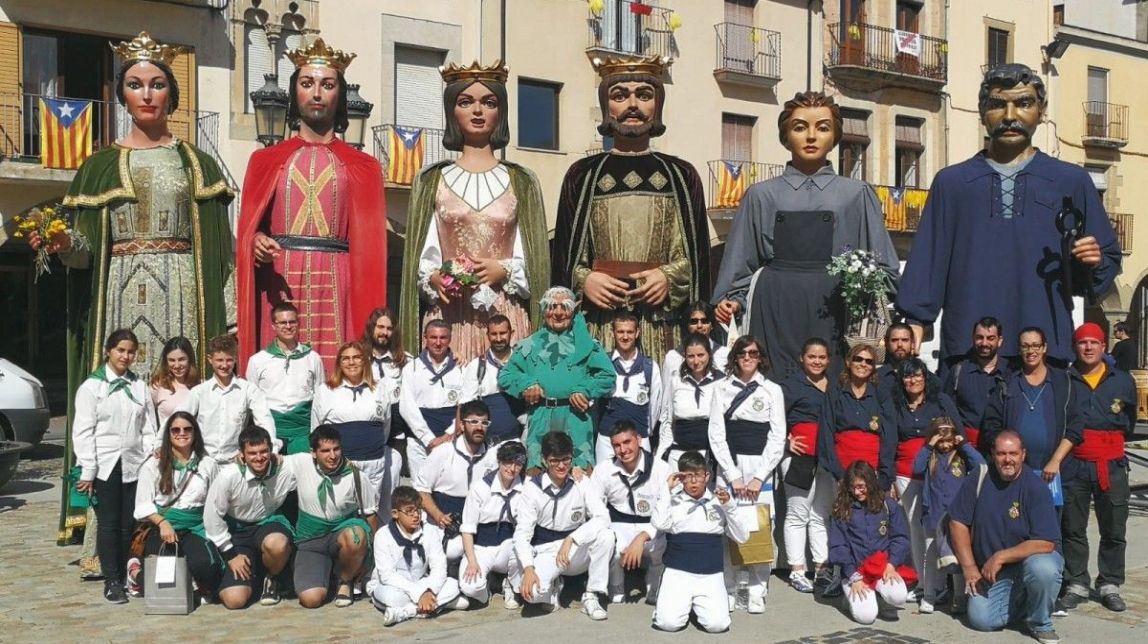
x,y
160,261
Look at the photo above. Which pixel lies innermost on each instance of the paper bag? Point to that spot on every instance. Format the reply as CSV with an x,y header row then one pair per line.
x,y
167,583
759,548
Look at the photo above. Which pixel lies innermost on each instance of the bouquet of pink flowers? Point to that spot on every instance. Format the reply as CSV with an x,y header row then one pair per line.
x,y
458,273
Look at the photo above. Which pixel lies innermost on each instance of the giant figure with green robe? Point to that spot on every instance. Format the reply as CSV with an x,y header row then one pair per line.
x,y
156,255
558,370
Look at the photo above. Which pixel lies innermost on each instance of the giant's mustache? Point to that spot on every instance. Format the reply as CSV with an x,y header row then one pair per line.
x,y
1013,126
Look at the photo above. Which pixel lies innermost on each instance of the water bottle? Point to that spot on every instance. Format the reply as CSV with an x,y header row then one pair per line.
x,y
741,595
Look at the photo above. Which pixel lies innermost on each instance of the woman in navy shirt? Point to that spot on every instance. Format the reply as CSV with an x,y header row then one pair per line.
x,y
856,423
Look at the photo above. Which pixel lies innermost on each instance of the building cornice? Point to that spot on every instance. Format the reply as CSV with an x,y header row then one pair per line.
x,y
1100,40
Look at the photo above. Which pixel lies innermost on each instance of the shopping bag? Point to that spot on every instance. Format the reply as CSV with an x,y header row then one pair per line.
x,y
759,548
167,583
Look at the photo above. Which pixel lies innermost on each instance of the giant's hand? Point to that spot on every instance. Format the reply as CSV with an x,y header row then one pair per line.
x,y
603,291
1087,251
653,287
265,249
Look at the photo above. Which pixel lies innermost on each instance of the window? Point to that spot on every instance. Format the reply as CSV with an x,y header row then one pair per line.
x,y
998,47
418,87
737,137
852,152
538,114
739,12
910,148
908,15
1058,14
1097,113
262,60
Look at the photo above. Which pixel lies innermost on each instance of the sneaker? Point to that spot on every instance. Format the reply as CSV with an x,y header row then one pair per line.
x,y
926,607
592,607
132,580
462,603
1046,637
509,600
1070,601
392,616
960,603
1114,602
1058,610
617,595
732,603
756,606
823,577
800,582
270,595
114,592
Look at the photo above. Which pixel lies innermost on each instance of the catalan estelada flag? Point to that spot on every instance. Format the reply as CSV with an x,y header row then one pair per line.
x,y
731,184
65,132
404,154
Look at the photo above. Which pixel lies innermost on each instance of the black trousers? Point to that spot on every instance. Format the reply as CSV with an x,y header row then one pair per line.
x,y
115,503
203,560
1111,519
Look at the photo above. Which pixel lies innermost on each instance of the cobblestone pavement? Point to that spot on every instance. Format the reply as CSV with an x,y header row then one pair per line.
x,y
43,600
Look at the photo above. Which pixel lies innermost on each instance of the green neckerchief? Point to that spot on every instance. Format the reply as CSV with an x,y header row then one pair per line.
x,y
573,344
326,485
277,351
123,382
272,470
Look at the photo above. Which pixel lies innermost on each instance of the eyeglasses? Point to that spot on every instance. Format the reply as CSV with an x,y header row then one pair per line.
x,y
555,462
749,353
859,487
860,360
287,323
913,376
1031,348
481,422
358,357
693,476
699,321
181,429
410,511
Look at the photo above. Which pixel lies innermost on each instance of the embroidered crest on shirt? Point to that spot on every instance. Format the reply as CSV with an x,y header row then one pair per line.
x,y
452,396
398,391
1014,511
379,409
643,505
956,469
883,529
643,398
712,513
576,516
758,405
874,424
1117,405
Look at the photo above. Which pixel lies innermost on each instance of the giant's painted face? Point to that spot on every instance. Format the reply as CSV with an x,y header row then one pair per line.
x,y
810,133
1012,115
317,93
476,110
147,91
632,107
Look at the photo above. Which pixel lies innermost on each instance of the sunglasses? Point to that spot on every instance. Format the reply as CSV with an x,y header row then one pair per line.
x,y
555,462
699,320
749,353
181,429
868,361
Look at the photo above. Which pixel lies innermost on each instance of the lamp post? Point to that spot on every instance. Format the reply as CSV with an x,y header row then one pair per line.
x,y
358,111
270,103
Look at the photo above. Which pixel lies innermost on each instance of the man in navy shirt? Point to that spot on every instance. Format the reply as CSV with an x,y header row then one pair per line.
x,y
970,379
1006,537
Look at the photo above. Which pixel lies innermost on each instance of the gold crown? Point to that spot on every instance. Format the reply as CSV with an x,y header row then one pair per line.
x,y
496,72
319,54
655,65
143,49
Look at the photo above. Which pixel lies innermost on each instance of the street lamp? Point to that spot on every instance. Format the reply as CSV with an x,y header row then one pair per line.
x,y
270,103
358,111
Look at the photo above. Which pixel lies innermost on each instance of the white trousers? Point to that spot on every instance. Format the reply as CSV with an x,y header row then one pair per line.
x,y
384,474
416,455
807,512
910,491
603,452
395,597
592,556
683,592
489,559
652,551
864,610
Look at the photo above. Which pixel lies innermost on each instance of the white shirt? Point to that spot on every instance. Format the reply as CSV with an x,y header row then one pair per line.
x,y
640,392
238,494
343,405
765,405
194,495
286,382
111,428
607,480
683,401
222,413
679,512
422,573
473,386
387,375
344,503
486,501
579,509
719,355
418,392
445,470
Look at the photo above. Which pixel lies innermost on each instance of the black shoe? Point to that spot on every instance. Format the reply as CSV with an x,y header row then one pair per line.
x,y
114,592
1114,602
271,595
823,578
1069,602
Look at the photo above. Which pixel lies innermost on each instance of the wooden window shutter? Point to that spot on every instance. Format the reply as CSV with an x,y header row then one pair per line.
x,y
11,97
182,121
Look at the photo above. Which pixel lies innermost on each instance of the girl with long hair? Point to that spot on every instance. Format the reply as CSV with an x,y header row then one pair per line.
x,y
686,406
175,374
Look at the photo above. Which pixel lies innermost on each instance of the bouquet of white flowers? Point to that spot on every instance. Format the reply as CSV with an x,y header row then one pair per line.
x,y
865,291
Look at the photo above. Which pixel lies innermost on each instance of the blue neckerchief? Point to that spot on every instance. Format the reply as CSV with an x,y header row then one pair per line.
x,y
506,515
355,390
639,366
554,496
471,461
437,376
409,546
379,362
710,378
639,482
746,392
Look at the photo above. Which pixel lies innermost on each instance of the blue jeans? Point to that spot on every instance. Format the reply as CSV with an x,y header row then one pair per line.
x,y
1025,590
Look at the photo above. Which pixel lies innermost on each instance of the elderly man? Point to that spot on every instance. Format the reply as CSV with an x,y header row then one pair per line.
x,y
992,220
558,370
1005,536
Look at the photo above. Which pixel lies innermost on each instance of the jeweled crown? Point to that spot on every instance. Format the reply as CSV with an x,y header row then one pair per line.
x,y
143,48
496,72
654,65
319,54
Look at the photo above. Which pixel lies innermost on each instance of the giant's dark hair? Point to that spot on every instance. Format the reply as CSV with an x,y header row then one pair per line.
x,y
173,86
1008,76
452,138
293,115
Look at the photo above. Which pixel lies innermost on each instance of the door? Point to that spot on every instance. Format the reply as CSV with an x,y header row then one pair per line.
x,y
908,20
852,32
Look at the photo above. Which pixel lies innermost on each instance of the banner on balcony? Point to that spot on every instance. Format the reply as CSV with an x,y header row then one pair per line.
x,y
731,184
907,42
641,9
404,155
65,133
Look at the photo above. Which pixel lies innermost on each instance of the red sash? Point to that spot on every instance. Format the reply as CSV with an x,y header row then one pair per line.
x,y
906,454
1099,447
808,433
857,445
873,570
973,436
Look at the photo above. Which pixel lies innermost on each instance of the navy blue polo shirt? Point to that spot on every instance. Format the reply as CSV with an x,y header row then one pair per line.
x,y
803,400
1006,513
969,385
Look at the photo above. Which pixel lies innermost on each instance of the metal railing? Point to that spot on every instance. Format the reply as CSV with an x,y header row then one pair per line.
x,y
730,178
748,50
1122,224
625,27
200,4
878,48
1105,121
902,207
427,150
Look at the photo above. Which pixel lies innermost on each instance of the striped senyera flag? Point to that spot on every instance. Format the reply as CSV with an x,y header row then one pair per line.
x,y
404,154
65,132
731,184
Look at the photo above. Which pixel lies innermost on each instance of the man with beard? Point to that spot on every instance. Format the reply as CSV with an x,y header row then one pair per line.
x,y
388,358
481,379
634,233
898,348
992,221
313,228
972,378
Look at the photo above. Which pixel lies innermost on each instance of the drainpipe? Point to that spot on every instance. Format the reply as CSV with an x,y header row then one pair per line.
x,y
809,46
946,97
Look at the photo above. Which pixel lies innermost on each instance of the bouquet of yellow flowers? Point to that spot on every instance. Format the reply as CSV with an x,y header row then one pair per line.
x,y
49,224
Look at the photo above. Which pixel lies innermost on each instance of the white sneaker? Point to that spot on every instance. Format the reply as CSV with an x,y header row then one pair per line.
x,y
926,607
509,601
617,598
462,603
592,607
392,616
756,606
732,603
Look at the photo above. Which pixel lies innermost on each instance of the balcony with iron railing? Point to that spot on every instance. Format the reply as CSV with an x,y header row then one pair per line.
x,y
1122,224
747,56
630,28
729,179
903,207
404,150
1105,125
870,56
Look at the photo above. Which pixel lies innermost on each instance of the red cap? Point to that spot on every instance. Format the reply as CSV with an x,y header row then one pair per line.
x,y
1088,330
